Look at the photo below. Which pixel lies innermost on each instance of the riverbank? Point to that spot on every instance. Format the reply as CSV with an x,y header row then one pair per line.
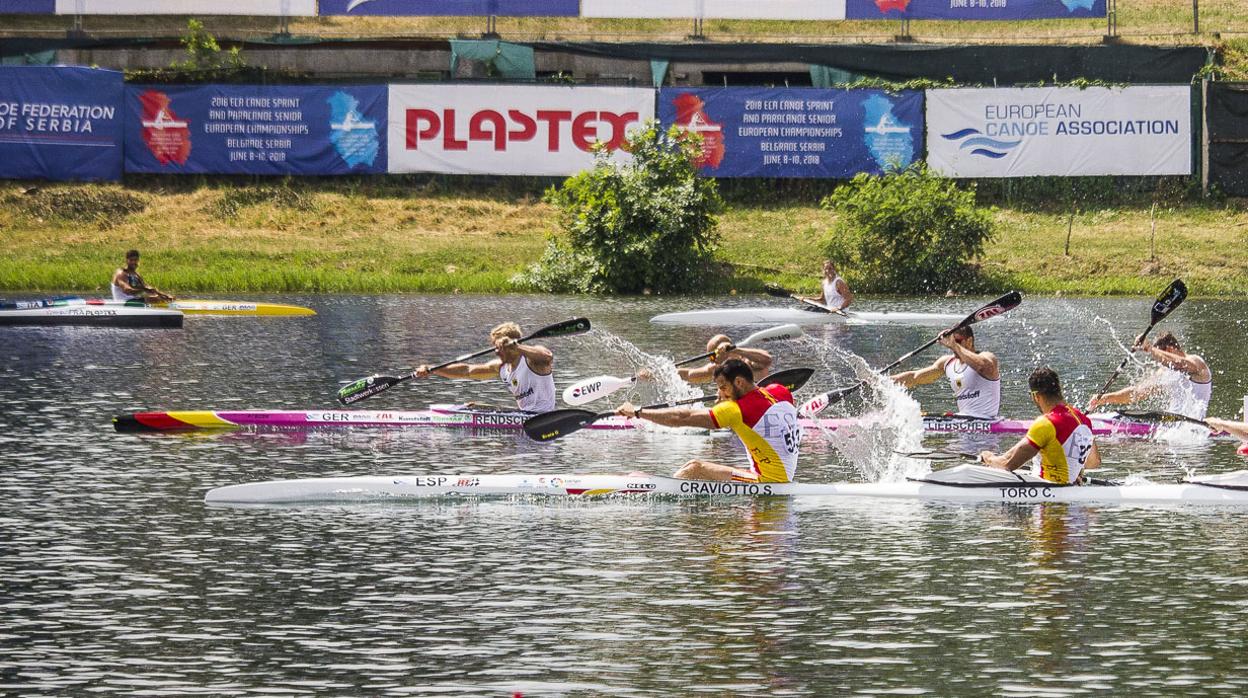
x,y
397,234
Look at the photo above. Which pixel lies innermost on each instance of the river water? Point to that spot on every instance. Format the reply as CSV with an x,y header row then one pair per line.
x,y
116,579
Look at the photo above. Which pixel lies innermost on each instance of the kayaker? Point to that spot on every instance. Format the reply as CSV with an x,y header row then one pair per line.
x,y
1061,436
765,419
975,376
836,294
526,370
127,285
1189,394
1237,429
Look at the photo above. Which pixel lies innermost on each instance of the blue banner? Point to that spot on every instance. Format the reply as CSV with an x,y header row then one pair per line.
x,y
973,9
469,8
27,7
826,133
254,129
60,123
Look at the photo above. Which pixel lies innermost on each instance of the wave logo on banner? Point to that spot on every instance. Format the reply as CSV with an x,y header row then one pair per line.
x,y
1072,5
167,136
355,139
979,144
889,140
691,116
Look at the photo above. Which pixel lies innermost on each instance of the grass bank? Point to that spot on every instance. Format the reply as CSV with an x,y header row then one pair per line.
x,y
434,234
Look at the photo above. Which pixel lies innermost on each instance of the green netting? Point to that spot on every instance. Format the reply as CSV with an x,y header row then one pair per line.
x,y
511,61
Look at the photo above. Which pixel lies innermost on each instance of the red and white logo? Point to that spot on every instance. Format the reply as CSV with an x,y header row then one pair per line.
x,y
167,136
691,116
892,5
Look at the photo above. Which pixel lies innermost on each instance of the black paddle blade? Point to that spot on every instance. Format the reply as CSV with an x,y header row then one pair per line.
x,y
793,378
1004,304
365,388
563,329
1169,300
1159,416
552,425
939,455
777,291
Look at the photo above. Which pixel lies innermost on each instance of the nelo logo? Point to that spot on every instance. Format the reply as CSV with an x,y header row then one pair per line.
x,y
492,126
986,313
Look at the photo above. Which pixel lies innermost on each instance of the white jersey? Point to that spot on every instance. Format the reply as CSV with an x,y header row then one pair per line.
x,y
533,392
832,297
1190,398
120,295
976,396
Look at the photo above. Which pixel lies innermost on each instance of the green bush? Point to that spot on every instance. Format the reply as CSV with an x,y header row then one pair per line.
x,y
907,232
649,224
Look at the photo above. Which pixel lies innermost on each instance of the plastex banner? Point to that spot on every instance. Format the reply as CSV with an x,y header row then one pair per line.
x,y
254,129
469,8
60,123
974,9
288,8
510,130
716,9
1060,131
767,132
27,7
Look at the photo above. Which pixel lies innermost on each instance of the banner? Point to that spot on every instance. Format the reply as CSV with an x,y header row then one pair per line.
x,y
767,132
974,9
717,9
60,123
27,7
253,129
288,8
470,8
509,130
1061,131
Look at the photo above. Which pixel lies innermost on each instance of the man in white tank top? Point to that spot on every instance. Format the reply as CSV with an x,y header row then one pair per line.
x,y
974,376
836,294
1190,396
526,370
127,285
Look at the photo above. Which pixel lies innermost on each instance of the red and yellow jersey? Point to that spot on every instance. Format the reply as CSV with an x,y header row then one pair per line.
x,y
1064,439
766,422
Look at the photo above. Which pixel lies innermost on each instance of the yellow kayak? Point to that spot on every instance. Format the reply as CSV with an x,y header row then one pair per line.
x,y
221,307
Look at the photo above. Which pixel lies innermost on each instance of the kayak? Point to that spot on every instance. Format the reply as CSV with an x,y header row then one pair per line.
x,y
467,417
189,307
94,315
764,315
966,483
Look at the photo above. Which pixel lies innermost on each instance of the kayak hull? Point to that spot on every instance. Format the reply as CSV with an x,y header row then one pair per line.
x,y
391,489
799,316
189,307
92,316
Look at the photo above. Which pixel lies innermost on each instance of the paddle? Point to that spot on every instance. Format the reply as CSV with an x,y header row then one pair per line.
x,y
940,455
1001,305
590,389
1161,416
781,292
1169,299
552,425
367,387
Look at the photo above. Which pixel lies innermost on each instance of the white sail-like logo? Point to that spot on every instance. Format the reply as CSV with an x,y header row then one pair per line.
x,y
163,121
356,3
887,125
352,123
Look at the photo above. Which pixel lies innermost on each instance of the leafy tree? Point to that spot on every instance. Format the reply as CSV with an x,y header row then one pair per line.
x,y
204,53
645,225
909,231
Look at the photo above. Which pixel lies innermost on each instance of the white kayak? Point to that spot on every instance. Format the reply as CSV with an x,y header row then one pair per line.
x,y
94,315
961,483
799,316
187,306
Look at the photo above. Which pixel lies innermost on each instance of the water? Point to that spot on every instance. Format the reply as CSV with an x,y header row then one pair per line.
x,y
118,580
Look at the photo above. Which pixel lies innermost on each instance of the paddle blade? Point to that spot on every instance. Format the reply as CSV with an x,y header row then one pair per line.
x,y
563,329
939,455
793,378
1159,416
1169,300
365,388
552,425
822,402
591,389
1004,304
779,333
777,291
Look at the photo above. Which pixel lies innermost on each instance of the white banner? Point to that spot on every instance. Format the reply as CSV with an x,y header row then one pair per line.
x,y
1062,131
289,8
509,130
715,9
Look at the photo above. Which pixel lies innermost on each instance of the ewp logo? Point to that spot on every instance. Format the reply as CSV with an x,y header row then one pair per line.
x,y
981,145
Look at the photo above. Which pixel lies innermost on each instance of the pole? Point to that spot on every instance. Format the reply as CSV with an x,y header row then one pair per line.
x,y
1195,16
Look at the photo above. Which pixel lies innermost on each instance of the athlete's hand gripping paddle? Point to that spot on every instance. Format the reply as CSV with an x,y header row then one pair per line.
x,y
586,391
552,425
1001,305
367,387
1169,299
781,292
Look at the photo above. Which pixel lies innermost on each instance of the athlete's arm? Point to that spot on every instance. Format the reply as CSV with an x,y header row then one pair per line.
x,y
759,360
702,374
1125,396
922,376
1237,429
985,363
484,371
119,278
847,294
539,357
670,416
1192,365
1014,458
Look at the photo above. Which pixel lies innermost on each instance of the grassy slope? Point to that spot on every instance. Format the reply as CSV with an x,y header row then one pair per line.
x,y
375,235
